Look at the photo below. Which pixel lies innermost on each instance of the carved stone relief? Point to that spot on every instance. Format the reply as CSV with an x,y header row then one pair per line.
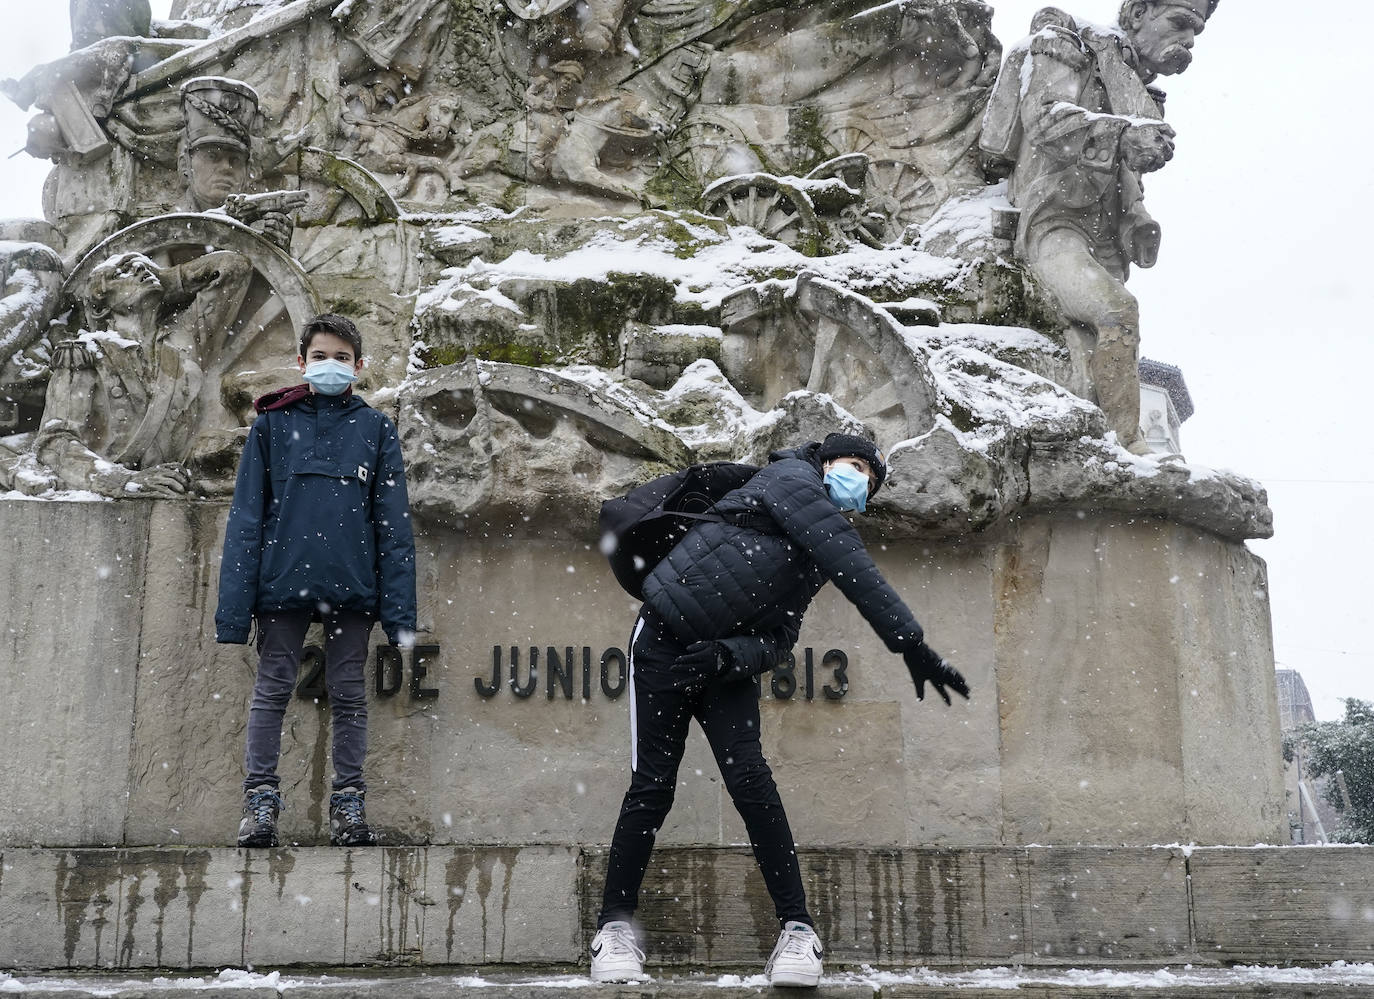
x,y
93,20
601,234
31,276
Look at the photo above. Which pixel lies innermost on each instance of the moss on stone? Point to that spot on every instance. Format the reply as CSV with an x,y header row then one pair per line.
x,y
805,140
595,312
351,307
731,94
962,418
685,244
695,314
670,186
529,355
1009,300
691,412
513,196
558,322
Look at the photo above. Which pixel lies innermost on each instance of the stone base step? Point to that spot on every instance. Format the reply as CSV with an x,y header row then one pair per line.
x,y
702,909
1349,981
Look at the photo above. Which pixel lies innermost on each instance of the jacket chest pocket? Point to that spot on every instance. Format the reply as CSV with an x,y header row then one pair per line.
x,y
355,467
356,480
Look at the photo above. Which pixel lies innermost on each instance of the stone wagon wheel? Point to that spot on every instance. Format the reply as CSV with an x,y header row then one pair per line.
x,y
279,298
765,203
856,219
828,341
537,398
894,188
448,400
262,331
449,437
706,147
902,192
853,136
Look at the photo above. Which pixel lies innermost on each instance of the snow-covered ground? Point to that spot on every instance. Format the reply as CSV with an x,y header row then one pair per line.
x,y
1339,974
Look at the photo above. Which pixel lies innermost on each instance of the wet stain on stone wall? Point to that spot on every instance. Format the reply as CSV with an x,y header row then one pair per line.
x,y
194,866
459,870
403,910
86,891
280,864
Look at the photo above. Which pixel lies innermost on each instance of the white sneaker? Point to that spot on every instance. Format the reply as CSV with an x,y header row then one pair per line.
x,y
615,958
796,959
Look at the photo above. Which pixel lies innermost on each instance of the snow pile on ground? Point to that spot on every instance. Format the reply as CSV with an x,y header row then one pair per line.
x,y
1337,975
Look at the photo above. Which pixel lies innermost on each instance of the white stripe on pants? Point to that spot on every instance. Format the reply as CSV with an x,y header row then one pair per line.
x,y
634,728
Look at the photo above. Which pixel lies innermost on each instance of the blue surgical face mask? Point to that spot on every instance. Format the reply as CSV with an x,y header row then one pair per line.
x,y
330,377
848,487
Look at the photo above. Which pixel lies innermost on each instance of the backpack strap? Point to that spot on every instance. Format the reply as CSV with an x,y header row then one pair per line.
x,y
760,522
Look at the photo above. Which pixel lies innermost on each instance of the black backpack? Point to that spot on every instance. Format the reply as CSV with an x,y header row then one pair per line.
x,y
639,529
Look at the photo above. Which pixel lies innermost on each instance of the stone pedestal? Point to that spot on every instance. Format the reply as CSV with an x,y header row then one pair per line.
x,y
1122,676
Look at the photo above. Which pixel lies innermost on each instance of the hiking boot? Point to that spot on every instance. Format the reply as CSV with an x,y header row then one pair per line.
x,y
261,805
615,958
347,822
796,959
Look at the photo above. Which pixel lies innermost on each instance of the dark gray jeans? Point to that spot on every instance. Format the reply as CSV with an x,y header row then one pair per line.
x,y
281,636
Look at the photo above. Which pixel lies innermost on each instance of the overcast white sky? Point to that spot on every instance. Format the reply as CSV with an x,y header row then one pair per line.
x,y
1267,218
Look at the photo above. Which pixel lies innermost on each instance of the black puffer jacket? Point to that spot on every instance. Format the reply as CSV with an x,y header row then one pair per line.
x,y
748,582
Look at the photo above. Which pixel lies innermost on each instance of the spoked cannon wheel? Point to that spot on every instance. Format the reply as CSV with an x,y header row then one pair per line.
x,y
705,148
768,204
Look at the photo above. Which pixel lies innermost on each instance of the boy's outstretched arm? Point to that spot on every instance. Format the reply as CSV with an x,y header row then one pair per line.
x,y
238,571
395,542
803,509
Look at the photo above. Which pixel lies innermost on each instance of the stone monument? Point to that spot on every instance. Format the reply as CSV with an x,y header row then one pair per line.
x,y
587,242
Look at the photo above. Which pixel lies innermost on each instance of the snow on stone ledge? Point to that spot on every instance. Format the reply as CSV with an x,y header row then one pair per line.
x,y
717,266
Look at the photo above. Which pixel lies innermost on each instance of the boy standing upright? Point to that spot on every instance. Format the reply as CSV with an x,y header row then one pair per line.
x,y
319,530
725,605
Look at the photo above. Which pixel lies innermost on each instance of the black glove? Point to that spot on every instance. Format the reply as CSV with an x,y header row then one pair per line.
x,y
924,663
704,659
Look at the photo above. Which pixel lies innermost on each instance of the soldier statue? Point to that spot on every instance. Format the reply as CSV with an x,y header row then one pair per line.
x,y
1074,118
221,119
123,404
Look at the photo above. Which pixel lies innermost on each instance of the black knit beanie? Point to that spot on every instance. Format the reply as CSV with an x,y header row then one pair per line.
x,y
847,446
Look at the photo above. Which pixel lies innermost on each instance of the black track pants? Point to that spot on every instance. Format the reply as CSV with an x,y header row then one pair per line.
x,y
662,703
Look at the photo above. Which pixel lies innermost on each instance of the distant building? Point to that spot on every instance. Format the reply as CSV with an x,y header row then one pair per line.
x,y
1164,405
1309,814
1295,704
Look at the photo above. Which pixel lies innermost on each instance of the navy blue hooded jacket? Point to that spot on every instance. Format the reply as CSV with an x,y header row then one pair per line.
x,y
747,584
320,515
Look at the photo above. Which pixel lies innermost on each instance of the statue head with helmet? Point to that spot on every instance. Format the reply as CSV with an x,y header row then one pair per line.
x,y
1162,32
221,117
